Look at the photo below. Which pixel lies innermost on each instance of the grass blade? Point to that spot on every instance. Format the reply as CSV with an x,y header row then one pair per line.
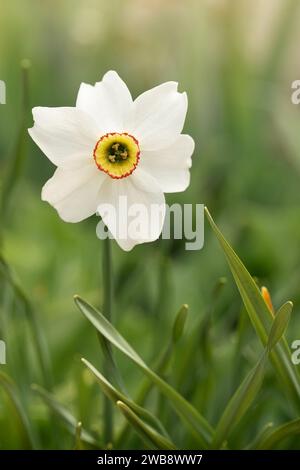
x,y
113,394
22,421
261,317
65,416
240,402
196,423
149,435
290,429
19,155
260,436
179,323
38,337
78,443
280,323
249,388
160,364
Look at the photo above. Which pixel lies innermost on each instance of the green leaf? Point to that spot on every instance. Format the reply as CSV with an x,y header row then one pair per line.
x,y
19,154
114,394
261,317
240,402
66,417
179,323
78,443
290,429
148,434
196,423
280,323
160,365
37,334
247,391
107,330
201,337
109,365
260,436
22,422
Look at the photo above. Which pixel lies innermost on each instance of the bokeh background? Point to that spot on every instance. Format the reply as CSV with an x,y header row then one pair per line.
x,y
237,60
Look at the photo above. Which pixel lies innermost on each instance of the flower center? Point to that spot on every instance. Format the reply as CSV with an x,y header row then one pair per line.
x,y
117,154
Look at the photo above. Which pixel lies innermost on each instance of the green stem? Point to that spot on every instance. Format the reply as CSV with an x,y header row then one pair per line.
x,y
107,280
16,161
37,334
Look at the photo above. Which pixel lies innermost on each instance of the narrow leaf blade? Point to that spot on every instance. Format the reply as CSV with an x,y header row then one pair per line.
x,y
196,423
260,316
64,414
280,324
24,425
290,429
240,402
114,394
149,435
179,323
249,388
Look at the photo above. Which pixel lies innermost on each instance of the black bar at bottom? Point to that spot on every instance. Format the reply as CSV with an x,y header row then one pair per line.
x,y
134,459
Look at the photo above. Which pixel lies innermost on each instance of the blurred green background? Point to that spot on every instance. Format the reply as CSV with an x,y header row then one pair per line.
x,y
236,59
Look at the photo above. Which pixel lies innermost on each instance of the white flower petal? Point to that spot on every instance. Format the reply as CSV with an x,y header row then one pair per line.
x,y
108,102
66,135
74,193
158,116
136,200
170,166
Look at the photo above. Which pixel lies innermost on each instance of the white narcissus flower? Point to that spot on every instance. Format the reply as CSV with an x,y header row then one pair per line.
x,y
110,146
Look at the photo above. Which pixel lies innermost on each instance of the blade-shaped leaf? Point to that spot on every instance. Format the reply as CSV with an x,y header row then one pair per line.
x,y
260,316
280,323
16,160
240,402
64,414
160,365
247,391
37,334
260,436
103,325
148,434
290,429
196,423
179,323
115,396
78,442
22,421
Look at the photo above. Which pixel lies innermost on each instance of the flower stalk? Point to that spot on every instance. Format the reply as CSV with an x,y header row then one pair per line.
x,y
107,279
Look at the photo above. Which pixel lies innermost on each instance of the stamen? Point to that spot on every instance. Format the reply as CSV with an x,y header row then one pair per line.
x,y
117,154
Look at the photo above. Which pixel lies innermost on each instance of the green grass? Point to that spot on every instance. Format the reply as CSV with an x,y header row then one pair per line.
x,y
214,385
